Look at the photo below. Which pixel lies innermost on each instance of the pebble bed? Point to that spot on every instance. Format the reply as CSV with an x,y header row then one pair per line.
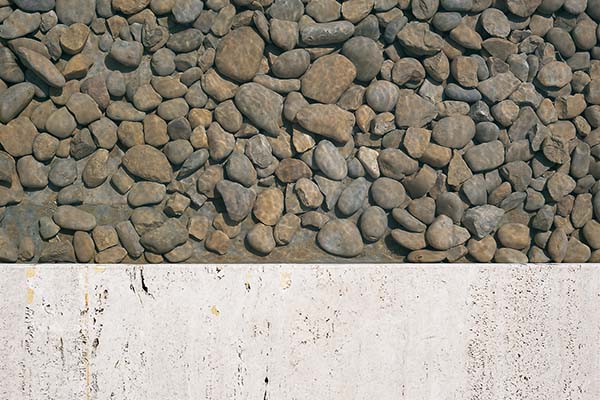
x,y
405,130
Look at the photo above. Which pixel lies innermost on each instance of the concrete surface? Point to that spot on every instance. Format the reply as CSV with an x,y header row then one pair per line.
x,y
382,332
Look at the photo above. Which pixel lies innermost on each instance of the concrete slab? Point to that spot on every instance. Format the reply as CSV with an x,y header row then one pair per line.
x,y
393,331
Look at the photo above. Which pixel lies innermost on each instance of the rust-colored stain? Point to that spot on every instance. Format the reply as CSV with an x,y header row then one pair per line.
x,y
30,272
215,311
285,280
30,294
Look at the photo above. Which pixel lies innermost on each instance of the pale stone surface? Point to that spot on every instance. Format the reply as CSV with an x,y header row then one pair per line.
x,y
284,331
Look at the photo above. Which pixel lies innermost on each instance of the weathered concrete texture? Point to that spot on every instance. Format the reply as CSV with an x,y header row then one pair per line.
x,y
300,332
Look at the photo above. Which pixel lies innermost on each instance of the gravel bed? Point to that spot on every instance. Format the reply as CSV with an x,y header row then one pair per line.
x,y
288,130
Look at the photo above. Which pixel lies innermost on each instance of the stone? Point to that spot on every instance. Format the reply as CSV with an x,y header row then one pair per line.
x,y
263,107
32,173
286,229
559,185
556,247
260,239
61,123
319,34
382,96
166,237
148,163
127,53
180,42
57,252
414,111
353,196
217,242
366,56
84,108
499,87
186,11
238,200
340,237
509,256
327,120
394,163
454,132
373,223
19,24
388,193
17,137
485,156
418,39
63,172
442,234
14,99
409,240
482,250
42,67
330,161
327,78
74,38
146,193
555,74
242,44
514,236
73,218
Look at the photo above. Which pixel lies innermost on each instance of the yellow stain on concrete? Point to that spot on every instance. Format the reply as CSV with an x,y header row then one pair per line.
x,y
30,294
285,280
215,311
30,272
99,268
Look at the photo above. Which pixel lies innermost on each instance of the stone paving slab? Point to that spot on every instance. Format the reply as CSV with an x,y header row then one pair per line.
x,y
300,331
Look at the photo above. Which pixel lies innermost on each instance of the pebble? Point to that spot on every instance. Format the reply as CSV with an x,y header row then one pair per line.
x,y
327,78
260,239
340,237
166,237
242,43
373,223
73,218
148,163
330,161
238,200
14,99
442,234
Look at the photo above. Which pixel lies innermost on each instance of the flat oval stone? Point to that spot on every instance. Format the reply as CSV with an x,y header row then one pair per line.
x,y
319,34
148,163
352,197
373,223
146,193
75,219
41,66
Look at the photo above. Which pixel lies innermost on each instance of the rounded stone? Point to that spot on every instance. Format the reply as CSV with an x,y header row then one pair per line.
x,y
340,237
239,53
